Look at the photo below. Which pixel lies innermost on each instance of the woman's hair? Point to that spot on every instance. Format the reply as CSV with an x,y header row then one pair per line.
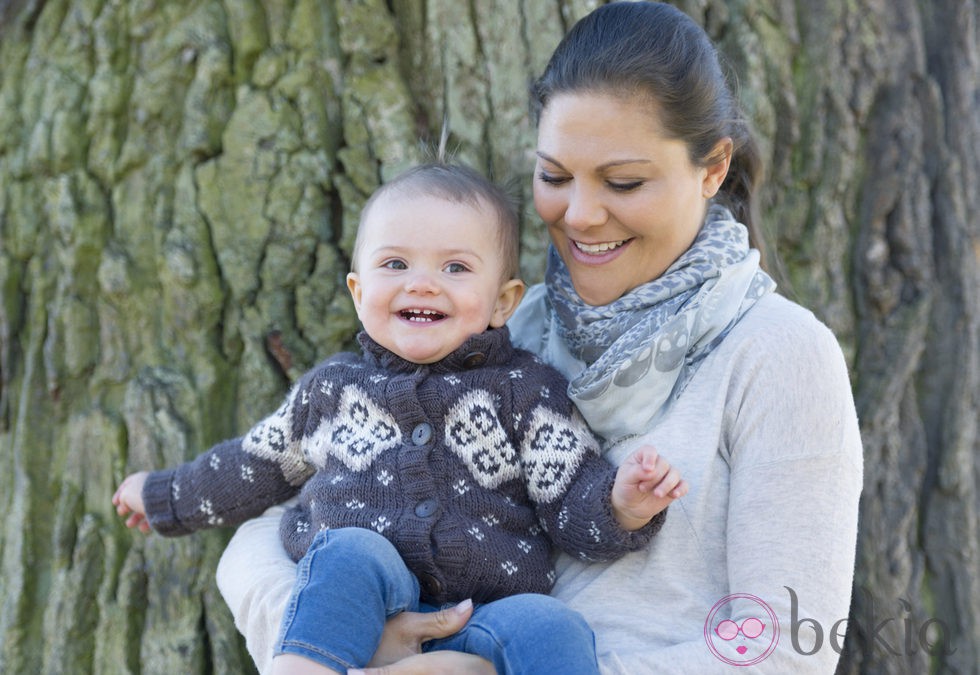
x,y
654,51
461,185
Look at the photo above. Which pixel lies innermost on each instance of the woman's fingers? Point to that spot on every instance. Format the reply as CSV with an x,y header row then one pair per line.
x,y
445,622
404,633
434,663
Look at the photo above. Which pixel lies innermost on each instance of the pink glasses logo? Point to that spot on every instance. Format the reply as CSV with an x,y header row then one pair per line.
x,y
747,643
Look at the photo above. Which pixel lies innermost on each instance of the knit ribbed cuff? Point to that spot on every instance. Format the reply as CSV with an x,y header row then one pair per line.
x,y
613,541
633,540
159,506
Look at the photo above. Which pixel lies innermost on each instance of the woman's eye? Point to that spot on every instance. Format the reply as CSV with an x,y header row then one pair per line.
x,y
625,186
456,268
545,177
395,265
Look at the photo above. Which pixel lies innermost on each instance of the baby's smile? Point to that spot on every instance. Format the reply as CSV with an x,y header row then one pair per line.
x,y
422,315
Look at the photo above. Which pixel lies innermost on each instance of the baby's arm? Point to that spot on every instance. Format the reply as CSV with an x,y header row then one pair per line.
x,y
235,480
645,485
128,500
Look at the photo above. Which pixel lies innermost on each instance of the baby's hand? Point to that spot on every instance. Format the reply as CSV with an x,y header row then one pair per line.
x,y
645,485
129,500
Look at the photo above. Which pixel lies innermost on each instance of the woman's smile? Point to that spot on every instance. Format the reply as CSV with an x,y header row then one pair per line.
x,y
597,254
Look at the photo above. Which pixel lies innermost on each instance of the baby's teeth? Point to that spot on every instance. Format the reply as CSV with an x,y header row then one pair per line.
x,y
422,315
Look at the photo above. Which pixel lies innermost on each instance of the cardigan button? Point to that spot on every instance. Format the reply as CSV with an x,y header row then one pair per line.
x,y
431,585
422,434
426,507
474,359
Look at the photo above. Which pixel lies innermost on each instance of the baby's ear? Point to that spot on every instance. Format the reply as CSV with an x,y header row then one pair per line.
x,y
507,301
354,286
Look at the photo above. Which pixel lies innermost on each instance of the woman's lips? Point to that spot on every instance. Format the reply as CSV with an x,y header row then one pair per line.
x,y
599,253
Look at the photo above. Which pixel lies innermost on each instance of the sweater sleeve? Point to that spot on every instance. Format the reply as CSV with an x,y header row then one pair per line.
x,y
236,479
792,442
568,481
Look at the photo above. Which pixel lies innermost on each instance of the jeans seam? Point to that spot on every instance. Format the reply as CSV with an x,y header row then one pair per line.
x,y
303,575
298,644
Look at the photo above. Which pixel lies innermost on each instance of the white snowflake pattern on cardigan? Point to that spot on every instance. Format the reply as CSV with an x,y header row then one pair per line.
x,y
464,468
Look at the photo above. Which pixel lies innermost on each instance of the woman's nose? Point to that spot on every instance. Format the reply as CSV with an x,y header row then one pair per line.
x,y
585,208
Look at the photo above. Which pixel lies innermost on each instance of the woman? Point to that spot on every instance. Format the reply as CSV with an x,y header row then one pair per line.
x,y
657,311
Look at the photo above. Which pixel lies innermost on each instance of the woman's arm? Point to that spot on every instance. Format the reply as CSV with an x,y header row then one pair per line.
x,y
399,652
802,541
255,577
792,443
434,663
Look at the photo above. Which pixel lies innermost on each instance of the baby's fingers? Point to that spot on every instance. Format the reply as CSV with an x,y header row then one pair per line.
x,y
646,457
138,520
671,481
681,490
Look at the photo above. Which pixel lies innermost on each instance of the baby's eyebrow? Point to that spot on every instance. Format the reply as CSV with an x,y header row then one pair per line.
x,y
441,253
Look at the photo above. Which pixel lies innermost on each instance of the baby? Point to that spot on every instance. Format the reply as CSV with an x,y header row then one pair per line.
x,y
440,465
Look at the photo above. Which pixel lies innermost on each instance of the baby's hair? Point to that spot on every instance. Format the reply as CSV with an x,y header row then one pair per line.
x,y
461,185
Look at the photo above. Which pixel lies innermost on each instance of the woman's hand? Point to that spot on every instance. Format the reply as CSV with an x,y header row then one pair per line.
x,y
405,632
434,663
400,650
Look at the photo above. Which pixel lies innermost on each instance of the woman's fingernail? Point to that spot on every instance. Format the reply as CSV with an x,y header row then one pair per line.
x,y
462,607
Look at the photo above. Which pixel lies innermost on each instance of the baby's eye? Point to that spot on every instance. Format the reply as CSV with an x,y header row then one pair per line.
x,y
394,265
551,179
456,268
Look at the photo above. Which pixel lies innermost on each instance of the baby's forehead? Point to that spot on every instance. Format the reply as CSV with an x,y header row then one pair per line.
x,y
433,202
422,189
391,213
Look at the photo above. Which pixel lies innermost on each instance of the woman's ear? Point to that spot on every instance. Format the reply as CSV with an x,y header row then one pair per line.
x,y
716,169
508,299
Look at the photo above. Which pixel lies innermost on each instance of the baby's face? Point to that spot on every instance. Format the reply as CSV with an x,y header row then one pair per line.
x,y
429,275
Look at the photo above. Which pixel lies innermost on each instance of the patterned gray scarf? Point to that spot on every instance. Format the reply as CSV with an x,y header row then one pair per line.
x,y
670,323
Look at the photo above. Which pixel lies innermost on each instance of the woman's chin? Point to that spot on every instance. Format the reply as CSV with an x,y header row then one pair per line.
x,y
596,291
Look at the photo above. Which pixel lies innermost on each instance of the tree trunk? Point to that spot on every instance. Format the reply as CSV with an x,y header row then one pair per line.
x,y
179,188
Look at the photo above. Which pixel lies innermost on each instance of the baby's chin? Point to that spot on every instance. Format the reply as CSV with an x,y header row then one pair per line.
x,y
423,356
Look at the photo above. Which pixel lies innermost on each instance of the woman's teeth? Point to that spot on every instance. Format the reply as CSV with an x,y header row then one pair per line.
x,y
599,248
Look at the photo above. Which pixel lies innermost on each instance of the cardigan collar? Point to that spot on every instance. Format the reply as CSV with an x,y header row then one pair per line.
x,y
492,347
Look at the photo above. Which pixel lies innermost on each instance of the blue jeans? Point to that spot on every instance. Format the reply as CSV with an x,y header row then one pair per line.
x,y
351,580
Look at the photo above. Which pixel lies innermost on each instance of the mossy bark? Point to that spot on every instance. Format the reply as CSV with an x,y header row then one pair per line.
x,y
179,188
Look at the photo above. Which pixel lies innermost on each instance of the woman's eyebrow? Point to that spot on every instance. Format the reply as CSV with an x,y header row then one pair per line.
x,y
607,165
548,158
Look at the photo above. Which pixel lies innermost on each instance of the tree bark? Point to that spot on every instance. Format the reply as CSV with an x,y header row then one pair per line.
x,y
179,188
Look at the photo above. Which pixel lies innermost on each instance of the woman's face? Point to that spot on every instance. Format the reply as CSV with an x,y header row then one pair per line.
x,y
621,201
